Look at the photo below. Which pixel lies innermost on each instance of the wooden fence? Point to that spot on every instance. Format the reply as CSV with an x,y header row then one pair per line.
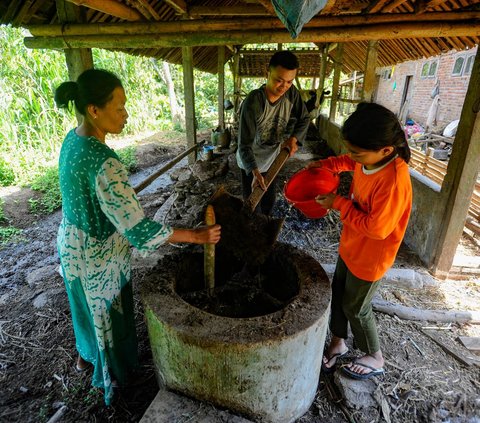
x,y
436,170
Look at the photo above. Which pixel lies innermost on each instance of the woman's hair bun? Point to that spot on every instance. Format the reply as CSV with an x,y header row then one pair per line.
x,y
67,92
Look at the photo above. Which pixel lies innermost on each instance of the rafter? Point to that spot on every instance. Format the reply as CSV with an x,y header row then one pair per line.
x,y
238,10
267,4
389,7
328,7
110,7
375,6
178,5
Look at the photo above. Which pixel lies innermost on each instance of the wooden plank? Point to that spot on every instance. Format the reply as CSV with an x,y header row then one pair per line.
x,y
467,361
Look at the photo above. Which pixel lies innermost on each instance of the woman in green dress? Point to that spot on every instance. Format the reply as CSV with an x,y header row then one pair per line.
x,y
101,217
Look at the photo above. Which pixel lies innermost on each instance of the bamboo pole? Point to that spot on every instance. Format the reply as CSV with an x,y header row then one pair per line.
x,y
336,82
221,87
147,181
213,38
209,254
198,25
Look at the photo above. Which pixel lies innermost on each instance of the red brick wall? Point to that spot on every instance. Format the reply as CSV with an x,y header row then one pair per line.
x,y
451,93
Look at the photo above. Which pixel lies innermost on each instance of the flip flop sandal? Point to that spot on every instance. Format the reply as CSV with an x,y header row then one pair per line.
x,y
359,376
82,369
336,356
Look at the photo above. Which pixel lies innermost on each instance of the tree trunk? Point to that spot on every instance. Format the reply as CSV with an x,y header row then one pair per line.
x,y
178,118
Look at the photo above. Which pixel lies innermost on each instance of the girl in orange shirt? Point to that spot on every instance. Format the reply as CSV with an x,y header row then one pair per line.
x,y
374,218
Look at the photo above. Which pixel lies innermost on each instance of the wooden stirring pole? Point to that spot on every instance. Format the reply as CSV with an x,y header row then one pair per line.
x,y
209,254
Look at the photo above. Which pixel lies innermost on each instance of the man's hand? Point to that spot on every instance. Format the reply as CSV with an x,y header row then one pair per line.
x,y
292,145
258,180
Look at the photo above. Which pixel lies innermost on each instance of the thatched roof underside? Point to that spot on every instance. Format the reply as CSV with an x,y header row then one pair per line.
x,y
406,29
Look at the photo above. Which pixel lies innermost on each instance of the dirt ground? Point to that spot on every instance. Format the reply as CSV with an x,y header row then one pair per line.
x,y
423,383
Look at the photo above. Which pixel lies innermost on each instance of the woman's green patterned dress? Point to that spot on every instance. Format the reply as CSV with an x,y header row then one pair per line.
x,y
101,215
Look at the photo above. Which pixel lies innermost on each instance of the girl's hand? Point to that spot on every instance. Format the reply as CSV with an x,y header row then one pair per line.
x,y
313,165
325,201
207,234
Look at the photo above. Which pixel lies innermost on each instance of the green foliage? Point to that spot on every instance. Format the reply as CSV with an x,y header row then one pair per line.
x,y
9,234
7,177
127,157
47,183
2,213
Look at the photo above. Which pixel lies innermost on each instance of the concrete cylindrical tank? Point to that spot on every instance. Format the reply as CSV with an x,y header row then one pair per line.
x,y
265,367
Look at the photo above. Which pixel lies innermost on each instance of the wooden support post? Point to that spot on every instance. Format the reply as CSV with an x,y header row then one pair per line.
x,y
77,59
237,82
462,171
321,75
189,93
221,86
369,78
336,81
353,94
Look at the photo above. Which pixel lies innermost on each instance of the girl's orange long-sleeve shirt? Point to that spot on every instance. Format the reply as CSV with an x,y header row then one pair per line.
x,y
374,217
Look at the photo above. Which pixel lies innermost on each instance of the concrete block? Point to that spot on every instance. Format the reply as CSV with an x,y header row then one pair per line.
x,y
168,407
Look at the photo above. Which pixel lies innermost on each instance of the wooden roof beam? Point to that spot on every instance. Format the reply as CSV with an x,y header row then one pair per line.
x,y
179,6
238,10
110,7
375,6
246,24
211,38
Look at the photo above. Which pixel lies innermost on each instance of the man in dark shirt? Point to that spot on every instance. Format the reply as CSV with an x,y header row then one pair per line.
x,y
272,117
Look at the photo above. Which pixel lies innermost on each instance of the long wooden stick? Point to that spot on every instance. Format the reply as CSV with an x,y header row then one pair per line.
x,y
410,313
209,254
148,180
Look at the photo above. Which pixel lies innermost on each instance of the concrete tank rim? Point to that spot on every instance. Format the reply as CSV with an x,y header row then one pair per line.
x,y
196,324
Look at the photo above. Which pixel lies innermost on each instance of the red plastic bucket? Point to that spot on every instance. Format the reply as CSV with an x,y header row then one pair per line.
x,y
302,188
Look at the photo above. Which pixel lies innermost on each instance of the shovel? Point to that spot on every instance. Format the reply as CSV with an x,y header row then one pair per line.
x,y
248,235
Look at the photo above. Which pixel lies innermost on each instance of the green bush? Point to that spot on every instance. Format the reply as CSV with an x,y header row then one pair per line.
x,y
128,158
7,176
48,184
9,234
